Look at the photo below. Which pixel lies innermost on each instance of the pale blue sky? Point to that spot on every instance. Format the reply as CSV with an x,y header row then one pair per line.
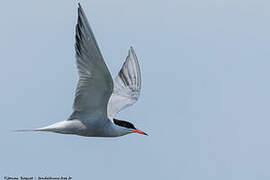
x,y
205,92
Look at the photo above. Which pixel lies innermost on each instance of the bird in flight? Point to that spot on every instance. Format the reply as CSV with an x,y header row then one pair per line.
x,y
98,98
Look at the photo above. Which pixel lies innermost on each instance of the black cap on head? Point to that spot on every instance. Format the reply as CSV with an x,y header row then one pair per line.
x,y
124,124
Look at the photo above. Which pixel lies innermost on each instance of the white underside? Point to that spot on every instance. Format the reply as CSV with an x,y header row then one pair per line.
x,y
81,128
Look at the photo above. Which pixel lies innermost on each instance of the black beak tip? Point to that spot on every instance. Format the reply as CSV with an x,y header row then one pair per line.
x,y
145,134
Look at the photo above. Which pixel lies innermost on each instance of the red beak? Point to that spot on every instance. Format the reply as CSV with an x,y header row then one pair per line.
x,y
139,131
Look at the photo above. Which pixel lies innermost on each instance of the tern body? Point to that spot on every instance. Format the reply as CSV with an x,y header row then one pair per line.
x,y
84,128
98,98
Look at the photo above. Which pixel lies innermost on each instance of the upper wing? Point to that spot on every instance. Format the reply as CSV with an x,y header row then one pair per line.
x,y
127,85
95,83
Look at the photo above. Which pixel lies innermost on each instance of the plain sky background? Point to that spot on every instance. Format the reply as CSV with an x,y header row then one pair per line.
x,y
205,93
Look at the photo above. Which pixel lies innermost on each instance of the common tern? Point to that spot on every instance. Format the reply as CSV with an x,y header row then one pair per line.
x,y
98,98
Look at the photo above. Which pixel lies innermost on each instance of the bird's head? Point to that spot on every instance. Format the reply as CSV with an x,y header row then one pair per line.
x,y
128,127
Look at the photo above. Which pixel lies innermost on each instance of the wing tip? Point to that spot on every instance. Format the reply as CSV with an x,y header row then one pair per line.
x,y
79,5
132,53
131,50
80,10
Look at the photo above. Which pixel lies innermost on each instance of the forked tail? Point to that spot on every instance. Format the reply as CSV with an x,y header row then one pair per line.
x,y
27,130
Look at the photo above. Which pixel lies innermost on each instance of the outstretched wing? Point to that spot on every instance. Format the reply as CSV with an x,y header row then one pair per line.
x,y
95,83
127,85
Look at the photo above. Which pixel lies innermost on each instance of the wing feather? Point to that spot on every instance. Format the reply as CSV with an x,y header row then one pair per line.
x,y
127,85
95,83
